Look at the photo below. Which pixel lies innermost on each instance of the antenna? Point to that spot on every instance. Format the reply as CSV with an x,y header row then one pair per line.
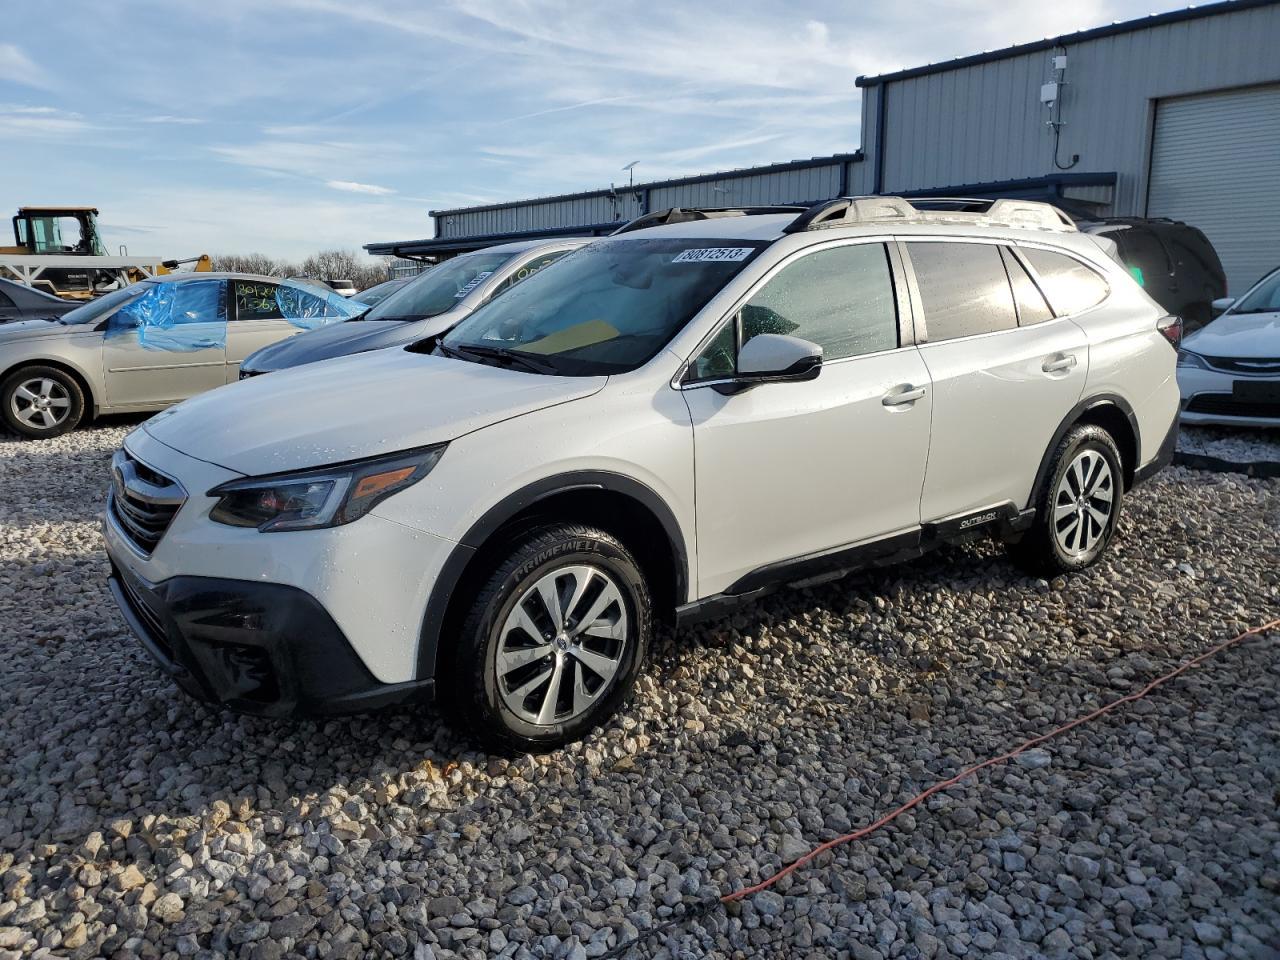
x,y
631,169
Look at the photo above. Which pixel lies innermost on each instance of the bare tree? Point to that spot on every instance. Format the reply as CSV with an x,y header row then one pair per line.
x,y
325,265
258,263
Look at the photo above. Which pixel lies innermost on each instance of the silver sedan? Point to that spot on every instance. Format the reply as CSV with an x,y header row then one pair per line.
x,y
149,345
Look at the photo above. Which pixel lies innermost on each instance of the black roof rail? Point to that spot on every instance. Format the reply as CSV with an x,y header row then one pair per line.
x,y
955,204
661,218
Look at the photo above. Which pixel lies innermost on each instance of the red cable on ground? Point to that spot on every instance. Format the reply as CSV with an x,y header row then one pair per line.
x,y
969,771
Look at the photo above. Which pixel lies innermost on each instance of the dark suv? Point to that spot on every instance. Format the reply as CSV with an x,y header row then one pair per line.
x,y
1175,263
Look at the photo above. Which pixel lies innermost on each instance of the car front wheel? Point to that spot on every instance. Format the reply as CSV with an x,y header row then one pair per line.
x,y
40,402
552,642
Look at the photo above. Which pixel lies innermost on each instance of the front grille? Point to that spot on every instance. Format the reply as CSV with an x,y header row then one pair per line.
x,y
142,500
1244,365
1225,405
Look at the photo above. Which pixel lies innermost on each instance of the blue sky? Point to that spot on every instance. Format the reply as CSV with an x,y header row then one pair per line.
x,y
285,127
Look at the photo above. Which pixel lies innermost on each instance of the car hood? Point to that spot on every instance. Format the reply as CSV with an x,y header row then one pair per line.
x,y
353,407
340,340
30,329
1242,335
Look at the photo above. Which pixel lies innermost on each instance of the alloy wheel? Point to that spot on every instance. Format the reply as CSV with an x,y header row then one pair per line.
x,y
562,644
1083,503
41,403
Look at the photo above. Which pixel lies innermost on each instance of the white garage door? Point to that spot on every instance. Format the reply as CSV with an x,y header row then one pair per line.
x,y
1215,164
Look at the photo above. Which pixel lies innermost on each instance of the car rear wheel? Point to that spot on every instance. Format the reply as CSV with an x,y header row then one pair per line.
x,y
1079,505
552,643
40,402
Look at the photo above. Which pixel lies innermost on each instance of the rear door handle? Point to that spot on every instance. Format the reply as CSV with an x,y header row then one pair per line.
x,y
1059,363
900,396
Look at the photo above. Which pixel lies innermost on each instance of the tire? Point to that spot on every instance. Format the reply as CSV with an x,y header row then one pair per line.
x,y
1085,523
41,402
489,678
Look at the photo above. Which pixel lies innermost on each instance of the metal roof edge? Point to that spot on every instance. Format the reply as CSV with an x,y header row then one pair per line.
x,y
1080,36
1099,179
856,156
476,241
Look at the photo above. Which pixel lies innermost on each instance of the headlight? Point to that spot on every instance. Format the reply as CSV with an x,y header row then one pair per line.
x,y
1188,359
325,497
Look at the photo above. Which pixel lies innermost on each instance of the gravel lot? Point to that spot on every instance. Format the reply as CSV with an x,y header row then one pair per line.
x,y
134,822
1233,444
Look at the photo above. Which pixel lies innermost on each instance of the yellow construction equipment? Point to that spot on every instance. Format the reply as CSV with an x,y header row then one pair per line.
x,y
59,250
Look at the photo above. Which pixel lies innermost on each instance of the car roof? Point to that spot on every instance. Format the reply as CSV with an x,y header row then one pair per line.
x,y
188,276
770,227
521,246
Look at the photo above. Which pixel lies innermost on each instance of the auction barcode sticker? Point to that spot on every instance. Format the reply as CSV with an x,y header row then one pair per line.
x,y
714,254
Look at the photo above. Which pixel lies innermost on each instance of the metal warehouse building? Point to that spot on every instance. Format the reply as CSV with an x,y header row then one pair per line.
x,y
1174,115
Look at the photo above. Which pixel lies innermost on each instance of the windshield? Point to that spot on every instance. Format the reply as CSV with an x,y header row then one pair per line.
x,y
441,288
95,310
1264,298
608,307
378,292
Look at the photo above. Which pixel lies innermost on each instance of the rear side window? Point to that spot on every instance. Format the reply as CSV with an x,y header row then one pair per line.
x,y
257,301
1144,255
963,288
1070,286
5,302
840,298
1032,306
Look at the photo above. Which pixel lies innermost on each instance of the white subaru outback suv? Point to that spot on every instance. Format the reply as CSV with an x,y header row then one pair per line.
x,y
666,423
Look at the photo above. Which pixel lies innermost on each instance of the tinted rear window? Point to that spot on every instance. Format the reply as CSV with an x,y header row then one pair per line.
x,y
1070,286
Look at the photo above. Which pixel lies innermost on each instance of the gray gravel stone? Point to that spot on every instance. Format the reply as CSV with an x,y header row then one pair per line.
x,y
134,822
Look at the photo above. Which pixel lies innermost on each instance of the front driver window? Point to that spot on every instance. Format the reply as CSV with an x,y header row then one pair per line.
x,y
840,298
165,317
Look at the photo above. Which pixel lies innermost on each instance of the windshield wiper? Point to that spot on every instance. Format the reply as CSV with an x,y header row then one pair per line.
x,y
501,354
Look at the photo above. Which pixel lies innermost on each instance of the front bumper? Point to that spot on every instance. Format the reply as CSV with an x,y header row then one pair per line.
x,y
259,648
1207,399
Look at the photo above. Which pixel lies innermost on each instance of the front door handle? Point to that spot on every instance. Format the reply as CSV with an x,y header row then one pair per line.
x,y
1059,363
902,395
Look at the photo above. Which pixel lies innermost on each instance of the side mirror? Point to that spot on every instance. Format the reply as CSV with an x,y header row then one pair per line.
x,y
775,358
1222,304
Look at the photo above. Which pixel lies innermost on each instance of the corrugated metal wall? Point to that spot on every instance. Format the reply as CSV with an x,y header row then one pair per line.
x,y
985,122
795,185
539,215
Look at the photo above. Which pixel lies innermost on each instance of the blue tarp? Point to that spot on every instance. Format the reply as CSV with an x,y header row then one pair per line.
x,y
192,315
175,317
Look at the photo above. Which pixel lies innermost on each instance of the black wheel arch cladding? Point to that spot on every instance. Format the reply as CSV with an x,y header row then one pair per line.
x,y
458,567
1096,410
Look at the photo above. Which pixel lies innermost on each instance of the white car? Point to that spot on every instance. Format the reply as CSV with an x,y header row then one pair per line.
x,y
664,424
1229,372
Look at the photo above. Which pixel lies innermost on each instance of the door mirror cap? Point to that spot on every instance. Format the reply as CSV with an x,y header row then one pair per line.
x,y
773,357
1222,304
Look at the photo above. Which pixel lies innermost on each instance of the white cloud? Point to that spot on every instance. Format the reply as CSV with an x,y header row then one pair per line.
x,y
40,123
17,67
167,118
350,186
